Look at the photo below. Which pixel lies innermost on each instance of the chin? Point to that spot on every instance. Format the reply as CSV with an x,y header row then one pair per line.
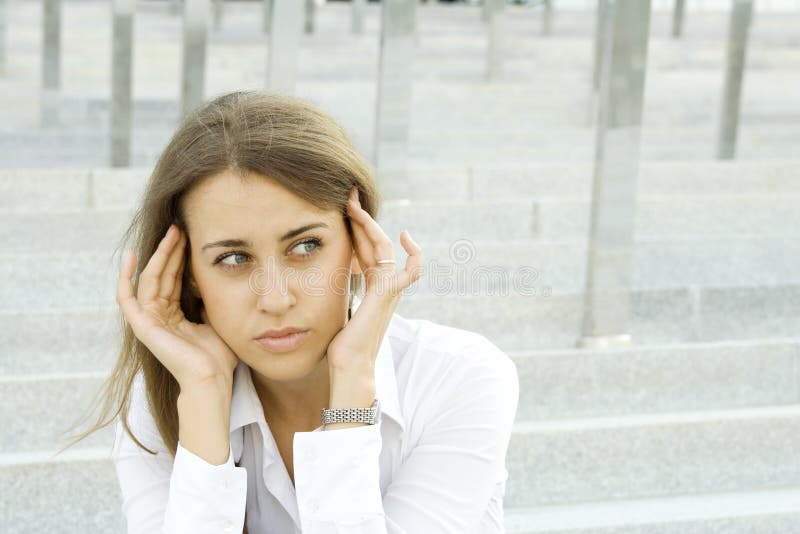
x,y
286,367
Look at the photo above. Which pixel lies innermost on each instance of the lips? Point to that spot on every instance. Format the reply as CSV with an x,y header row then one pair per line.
x,y
284,343
281,332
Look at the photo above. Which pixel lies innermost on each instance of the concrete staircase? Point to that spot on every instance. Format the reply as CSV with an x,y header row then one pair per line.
x,y
694,430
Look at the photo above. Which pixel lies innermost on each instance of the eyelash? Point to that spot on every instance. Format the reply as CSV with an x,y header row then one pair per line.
x,y
315,241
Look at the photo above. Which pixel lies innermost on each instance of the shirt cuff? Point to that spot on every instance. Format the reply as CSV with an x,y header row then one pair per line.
x,y
337,475
205,498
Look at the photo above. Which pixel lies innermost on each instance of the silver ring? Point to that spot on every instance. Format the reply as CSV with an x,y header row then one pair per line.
x,y
386,261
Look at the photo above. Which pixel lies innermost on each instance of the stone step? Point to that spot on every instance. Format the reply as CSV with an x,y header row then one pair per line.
x,y
541,321
47,153
84,339
31,190
40,409
545,218
580,460
75,492
37,489
575,461
583,383
675,99
59,150
742,512
461,268
554,385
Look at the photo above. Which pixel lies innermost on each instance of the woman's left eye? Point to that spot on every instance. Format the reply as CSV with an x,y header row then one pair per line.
x,y
315,243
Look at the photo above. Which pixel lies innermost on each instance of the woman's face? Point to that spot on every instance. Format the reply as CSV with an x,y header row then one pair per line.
x,y
257,269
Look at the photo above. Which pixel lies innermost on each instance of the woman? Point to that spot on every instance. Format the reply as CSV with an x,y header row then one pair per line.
x,y
256,229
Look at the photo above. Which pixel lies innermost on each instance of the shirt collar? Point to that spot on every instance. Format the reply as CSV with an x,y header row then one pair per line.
x,y
246,407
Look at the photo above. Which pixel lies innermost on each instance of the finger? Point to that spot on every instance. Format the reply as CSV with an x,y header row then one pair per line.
x,y
413,268
362,245
176,291
381,244
172,272
150,278
125,298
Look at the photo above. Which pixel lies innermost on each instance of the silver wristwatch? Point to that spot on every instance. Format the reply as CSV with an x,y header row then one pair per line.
x,y
369,415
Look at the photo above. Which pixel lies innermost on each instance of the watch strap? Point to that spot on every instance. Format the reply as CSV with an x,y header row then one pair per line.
x,y
351,415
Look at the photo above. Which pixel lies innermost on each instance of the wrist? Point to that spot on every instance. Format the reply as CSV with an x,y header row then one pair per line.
x,y
351,390
204,422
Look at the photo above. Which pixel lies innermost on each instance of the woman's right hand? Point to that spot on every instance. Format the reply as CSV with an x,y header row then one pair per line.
x,y
193,353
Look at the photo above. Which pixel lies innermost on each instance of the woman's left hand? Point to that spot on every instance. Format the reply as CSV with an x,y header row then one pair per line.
x,y
354,349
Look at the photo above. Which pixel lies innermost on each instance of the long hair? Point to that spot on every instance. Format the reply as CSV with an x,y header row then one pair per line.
x,y
285,138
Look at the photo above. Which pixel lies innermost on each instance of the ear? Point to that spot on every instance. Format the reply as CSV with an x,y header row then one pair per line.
x,y
193,289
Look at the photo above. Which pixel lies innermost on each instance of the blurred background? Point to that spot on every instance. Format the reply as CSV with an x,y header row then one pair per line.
x,y
606,189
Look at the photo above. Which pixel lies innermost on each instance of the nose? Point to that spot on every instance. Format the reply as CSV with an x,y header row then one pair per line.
x,y
273,289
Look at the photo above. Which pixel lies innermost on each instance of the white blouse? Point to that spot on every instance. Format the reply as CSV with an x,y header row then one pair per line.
x,y
434,462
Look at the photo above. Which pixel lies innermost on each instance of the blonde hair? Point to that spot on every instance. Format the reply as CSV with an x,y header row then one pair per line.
x,y
282,137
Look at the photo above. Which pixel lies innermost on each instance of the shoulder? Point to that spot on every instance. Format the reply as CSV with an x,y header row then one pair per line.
x,y
434,348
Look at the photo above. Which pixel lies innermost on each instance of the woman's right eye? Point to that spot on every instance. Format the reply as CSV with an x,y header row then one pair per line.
x,y
231,264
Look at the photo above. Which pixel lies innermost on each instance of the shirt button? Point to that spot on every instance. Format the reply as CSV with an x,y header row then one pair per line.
x,y
311,454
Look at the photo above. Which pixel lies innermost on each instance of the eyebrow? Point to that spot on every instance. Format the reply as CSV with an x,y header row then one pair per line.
x,y
243,243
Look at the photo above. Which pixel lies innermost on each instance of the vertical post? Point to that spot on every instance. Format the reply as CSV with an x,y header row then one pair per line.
x,y
497,33
309,22
174,7
284,39
486,10
393,104
51,61
195,29
547,17
3,15
266,14
677,18
599,44
216,7
622,77
357,21
741,15
121,81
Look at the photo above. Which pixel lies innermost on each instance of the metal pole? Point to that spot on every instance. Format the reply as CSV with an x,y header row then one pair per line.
x,y
51,61
309,22
216,7
599,43
195,29
284,39
622,77
741,16
3,15
677,18
497,33
547,18
121,81
393,104
357,21
266,14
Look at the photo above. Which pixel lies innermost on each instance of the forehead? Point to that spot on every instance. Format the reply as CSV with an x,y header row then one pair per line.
x,y
227,201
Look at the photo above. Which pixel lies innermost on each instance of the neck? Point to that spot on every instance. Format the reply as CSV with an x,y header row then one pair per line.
x,y
296,404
